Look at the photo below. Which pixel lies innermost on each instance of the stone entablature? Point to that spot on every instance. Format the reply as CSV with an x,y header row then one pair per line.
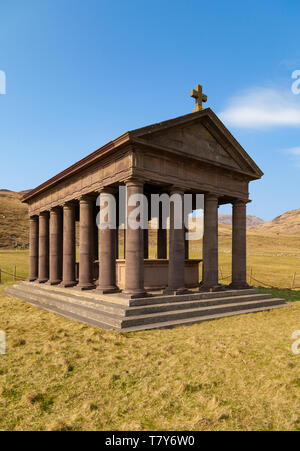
x,y
194,152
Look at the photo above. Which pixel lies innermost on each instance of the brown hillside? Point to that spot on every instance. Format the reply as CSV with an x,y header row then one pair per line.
x,y
252,221
288,224
13,220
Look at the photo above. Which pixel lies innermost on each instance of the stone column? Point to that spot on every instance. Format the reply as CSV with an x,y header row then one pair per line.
x,y
239,270
33,248
186,245
161,237
86,205
95,234
210,242
146,231
117,227
56,237
134,268
107,249
176,248
43,247
146,243
69,245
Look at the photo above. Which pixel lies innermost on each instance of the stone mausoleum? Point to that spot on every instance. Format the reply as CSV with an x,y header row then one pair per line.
x,y
112,282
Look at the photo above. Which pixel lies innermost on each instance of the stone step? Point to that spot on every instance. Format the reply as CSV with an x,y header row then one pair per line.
x,y
69,315
116,309
197,295
201,311
167,307
200,319
115,316
154,325
92,295
85,301
112,321
120,322
121,301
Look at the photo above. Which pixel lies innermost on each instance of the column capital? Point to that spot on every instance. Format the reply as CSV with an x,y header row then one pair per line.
x,y
44,213
176,190
55,209
108,190
33,217
211,196
86,198
134,181
69,204
240,202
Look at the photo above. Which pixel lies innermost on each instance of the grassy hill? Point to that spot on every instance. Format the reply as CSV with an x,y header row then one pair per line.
x,y
13,220
288,224
252,221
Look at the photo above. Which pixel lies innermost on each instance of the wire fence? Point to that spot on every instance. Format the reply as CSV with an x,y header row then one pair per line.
x,y
289,283
13,275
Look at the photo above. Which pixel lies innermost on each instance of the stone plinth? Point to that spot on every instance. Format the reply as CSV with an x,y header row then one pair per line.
x,y
156,273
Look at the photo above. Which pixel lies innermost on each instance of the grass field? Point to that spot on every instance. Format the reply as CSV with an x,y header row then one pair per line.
x,y
272,260
232,374
13,220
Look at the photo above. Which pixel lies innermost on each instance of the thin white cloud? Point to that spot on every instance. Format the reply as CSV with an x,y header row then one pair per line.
x,y
263,107
293,151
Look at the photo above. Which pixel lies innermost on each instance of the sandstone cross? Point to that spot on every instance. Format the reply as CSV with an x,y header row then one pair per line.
x,y
198,95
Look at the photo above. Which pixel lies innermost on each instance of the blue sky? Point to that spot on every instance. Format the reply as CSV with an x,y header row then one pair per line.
x,y
81,73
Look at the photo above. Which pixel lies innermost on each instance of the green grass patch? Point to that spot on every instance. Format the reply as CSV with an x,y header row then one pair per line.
x,y
288,295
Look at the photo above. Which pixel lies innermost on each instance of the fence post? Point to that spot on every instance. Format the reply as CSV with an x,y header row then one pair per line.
x,y
293,281
15,273
250,278
221,272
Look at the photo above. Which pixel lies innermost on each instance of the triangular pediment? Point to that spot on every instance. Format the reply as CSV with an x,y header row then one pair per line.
x,y
202,136
193,140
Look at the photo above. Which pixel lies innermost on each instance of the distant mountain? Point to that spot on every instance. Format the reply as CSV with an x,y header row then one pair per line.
x,y
13,220
287,224
252,221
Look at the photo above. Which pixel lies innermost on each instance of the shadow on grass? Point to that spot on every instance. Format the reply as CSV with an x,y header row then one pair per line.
x,y
288,295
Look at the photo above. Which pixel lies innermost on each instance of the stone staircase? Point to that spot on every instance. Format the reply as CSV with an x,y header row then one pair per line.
x,y
154,312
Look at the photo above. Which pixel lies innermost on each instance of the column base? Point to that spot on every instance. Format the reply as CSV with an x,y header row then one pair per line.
x,y
86,286
239,286
53,282
42,280
175,292
31,279
67,284
135,294
211,288
107,290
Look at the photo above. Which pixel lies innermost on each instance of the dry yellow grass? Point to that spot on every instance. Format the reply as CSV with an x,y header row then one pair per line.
x,y
273,260
232,374
287,223
236,373
13,220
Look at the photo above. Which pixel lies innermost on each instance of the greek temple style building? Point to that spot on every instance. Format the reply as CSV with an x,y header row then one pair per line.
x,y
191,154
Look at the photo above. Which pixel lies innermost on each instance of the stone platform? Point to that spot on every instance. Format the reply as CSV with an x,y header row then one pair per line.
x,y
117,313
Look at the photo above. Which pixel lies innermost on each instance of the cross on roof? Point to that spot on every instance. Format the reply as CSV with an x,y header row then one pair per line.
x,y
198,95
